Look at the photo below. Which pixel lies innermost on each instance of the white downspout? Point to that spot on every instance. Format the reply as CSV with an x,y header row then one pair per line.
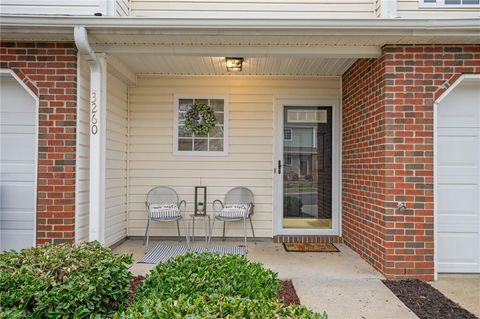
x,y
98,105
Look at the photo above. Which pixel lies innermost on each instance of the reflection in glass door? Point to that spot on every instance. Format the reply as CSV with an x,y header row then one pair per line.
x,y
307,167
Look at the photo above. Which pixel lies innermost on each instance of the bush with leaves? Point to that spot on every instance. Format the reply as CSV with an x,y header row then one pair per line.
x,y
216,307
208,286
198,275
63,281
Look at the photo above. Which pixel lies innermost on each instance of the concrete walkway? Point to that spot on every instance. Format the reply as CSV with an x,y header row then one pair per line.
x,y
342,284
463,289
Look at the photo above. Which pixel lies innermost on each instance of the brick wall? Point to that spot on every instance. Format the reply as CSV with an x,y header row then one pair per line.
x,y
50,70
306,239
363,156
400,168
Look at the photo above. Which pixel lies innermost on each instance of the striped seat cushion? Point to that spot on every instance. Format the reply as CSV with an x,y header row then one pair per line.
x,y
164,211
235,211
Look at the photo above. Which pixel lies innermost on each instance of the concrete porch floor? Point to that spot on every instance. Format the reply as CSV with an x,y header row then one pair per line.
x,y
342,284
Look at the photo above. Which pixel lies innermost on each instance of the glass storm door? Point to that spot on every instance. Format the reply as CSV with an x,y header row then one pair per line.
x,y
307,167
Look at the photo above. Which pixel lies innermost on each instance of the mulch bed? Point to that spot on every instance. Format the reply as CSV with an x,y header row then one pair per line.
x,y
136,281
425,301
287,293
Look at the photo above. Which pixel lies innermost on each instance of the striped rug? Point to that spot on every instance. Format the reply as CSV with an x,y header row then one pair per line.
x,y
160,253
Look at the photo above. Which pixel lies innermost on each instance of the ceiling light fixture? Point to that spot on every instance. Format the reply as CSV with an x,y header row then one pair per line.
x,y
234,64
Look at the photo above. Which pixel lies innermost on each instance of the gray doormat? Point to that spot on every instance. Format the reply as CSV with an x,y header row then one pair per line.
x,y
160,253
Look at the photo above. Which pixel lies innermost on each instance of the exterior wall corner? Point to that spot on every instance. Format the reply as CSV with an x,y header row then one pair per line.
x,y
49,69
388,153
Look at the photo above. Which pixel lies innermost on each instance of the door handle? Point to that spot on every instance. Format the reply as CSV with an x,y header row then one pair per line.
x,y
279,166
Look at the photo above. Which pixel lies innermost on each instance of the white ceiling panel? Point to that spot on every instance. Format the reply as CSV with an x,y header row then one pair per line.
x,y
198,65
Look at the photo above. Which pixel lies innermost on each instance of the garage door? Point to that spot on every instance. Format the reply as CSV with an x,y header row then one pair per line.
x,y
17,165
458,180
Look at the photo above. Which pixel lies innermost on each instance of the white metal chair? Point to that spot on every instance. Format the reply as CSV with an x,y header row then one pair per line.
x,y
237,206
163,205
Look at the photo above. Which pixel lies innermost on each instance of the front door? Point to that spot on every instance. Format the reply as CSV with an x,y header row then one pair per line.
x,y
305,169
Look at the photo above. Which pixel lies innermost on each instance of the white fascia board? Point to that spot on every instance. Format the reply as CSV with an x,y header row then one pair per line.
x,y
303,51
222,26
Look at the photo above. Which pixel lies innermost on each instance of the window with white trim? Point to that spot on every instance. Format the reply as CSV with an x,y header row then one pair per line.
x,y
215,142
449,3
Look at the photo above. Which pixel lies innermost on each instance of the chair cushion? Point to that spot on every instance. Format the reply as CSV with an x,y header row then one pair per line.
x,y
164,211
235,211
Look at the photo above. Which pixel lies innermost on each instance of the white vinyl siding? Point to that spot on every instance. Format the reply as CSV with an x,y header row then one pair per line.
x,y
83,151
250,159
116,162
53,7
66,7
412,9
249,9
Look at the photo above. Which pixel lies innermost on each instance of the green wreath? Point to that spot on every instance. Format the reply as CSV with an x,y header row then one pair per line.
x,y
200,118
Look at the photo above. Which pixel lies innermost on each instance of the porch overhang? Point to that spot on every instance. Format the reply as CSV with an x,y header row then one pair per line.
x,y
133,30
290,47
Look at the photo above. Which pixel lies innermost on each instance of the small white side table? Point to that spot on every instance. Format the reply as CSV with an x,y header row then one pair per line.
x,y
206,218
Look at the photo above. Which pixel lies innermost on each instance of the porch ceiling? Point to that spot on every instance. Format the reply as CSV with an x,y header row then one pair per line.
x,y
208,65
203,52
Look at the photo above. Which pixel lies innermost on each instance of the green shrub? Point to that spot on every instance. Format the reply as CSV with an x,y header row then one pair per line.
x,y
63,281
216,307
196,275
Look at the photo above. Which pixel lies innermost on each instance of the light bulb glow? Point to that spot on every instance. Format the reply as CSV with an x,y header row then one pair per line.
x,y
234,64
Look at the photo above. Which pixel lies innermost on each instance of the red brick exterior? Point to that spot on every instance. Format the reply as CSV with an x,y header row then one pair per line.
x,y
50,70
387,147
363,198
388,152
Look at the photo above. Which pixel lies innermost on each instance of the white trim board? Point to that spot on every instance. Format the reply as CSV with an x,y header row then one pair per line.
x,y
299,51
372,26
37,119
279,103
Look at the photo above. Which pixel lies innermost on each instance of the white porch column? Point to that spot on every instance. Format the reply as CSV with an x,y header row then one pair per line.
x,y
98,123
98,105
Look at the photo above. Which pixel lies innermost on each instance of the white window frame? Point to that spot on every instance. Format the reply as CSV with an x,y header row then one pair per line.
x,y
291,136
225,99
440,4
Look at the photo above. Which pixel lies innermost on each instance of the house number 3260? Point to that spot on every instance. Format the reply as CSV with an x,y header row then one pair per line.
x,y
93,114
